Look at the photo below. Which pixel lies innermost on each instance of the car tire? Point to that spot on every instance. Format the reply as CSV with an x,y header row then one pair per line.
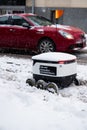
x,y
76,82
46,45
52,87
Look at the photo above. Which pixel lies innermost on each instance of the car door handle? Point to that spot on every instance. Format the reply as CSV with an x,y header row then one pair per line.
x,y
12,30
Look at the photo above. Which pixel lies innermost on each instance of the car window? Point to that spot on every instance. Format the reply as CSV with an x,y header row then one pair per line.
x,y
4,20
38,20
17,20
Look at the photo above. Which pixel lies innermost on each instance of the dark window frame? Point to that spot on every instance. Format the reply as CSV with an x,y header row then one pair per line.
x,y
12,2
19,21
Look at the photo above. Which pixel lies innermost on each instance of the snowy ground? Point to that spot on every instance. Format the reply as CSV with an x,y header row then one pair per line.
x,y
27,108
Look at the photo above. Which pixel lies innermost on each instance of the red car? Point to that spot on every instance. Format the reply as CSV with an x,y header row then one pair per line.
x,y
33,32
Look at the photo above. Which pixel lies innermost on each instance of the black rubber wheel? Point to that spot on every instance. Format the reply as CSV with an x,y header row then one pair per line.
x,y
31,82
52,87
41,84
46,45
76,82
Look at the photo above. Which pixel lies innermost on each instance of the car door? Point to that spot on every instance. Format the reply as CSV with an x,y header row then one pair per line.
x,y
23,36
5,32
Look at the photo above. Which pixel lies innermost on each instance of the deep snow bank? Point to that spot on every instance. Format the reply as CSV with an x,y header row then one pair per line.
x,y
27,108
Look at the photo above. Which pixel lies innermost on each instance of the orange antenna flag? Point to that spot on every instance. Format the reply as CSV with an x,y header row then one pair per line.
x,y
58,13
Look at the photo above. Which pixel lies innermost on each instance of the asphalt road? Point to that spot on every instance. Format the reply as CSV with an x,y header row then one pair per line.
x,y
80,54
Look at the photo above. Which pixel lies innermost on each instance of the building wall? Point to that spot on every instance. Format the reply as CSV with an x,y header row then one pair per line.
x,y
29,3
79,3
58,3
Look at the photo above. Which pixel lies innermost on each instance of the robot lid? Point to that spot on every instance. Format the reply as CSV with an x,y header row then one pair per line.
x,y
54,56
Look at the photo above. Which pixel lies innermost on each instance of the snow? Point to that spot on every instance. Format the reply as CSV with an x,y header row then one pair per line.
x,y
62,26
27,108
54,56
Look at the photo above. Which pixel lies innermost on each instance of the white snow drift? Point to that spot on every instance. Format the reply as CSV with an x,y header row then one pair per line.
x,y
27,108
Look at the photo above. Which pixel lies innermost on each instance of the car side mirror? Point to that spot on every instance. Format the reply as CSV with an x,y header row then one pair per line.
x,y
26,25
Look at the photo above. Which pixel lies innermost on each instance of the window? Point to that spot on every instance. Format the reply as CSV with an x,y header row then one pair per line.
x,y
12,2
4,20
17,20
38,20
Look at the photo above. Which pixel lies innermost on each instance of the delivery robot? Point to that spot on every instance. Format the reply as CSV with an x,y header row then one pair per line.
x,y
53,70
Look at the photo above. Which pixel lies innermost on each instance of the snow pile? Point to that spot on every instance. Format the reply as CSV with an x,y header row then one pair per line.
x,y
27,108
54,56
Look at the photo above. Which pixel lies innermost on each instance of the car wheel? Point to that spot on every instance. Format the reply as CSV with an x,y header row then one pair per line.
x,y
46,45
52,87
41,84
76,82
31,82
